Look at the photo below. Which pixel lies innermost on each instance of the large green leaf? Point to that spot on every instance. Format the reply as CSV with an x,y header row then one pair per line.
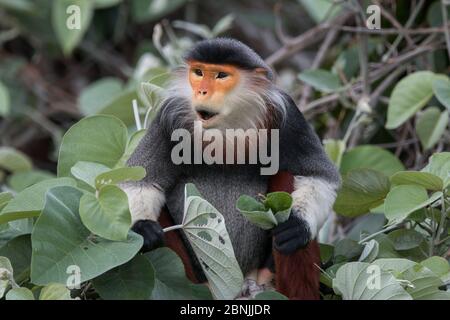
x,y
13,160
410,95
21,180
5,197
335,150
30,201
280,204
87,171
362,190
439,266
121,107
371,157
320,9
424,179
405,239
106,214
18,251
6,272
256,212
354,282
321,80
19,294
405,199
4,100
439,165
441,88
70,243
424,283
205,229
101,139
132,281
430,126
171,283
152,10
119,175
71,19
55,291
99,94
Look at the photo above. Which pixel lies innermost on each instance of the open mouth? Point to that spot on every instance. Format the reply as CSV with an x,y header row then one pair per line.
x,y
206,115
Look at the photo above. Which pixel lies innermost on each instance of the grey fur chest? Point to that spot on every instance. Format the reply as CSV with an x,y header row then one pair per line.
x,y
222,186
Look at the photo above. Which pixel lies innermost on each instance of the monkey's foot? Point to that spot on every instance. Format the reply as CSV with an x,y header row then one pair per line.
x,y
250,289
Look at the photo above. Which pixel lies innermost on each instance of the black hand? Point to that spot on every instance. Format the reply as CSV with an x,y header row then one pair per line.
x,y
152,233
292,234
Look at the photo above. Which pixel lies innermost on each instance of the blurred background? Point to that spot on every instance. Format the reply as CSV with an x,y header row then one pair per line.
x,y
322,51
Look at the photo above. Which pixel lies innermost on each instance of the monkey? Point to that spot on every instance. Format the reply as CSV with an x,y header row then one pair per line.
x,y
224,84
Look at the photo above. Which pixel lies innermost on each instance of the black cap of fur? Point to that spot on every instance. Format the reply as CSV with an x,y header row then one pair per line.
x,y
227,51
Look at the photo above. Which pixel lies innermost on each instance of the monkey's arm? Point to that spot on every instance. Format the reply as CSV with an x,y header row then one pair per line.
x,y
316,181
147,197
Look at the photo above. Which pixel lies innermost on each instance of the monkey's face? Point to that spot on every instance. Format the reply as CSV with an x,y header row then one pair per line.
x,y
211,85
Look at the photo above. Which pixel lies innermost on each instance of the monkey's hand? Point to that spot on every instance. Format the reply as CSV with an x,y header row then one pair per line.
x,y
152,233
292,234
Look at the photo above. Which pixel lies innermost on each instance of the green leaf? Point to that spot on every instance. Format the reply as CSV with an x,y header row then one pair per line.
x,y
152,10
321,9
102,4
348,249
55,291
205,229
255,212
430,126
405,239
362,190
224,24
30,201
134,280
14,160
18,251
357,281
370,251
71,243
441,88
88,171
106,215
121,107
119,175
6,272
424,179
71,19
101,139
132,145
19,294
321,80
171,283
99,94
410,95
5,100
335,150
439,266
439,165
280,204
405,199
371,157
5,197
19,181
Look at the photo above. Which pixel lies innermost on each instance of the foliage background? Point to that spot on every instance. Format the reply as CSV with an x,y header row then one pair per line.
x,y
379,99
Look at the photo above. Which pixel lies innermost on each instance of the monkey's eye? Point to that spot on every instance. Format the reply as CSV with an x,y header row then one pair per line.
x,y
222,75
198,72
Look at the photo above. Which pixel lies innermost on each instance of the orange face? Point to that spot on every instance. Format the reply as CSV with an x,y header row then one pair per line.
x,y
211,82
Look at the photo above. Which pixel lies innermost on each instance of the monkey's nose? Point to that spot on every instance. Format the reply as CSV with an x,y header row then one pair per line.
x,y
202,92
